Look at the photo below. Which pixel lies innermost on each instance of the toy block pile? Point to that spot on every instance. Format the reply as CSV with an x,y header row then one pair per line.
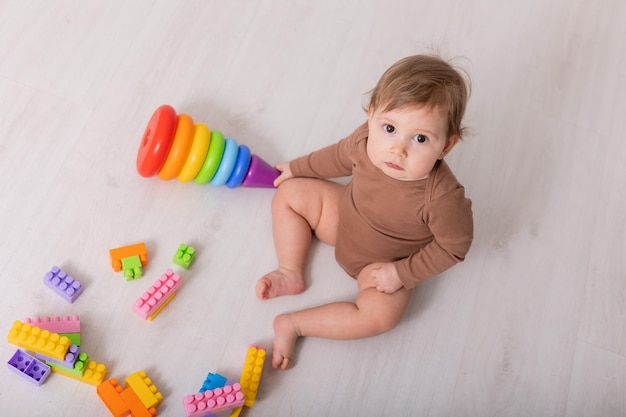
x,y
53,344
222,397
52,351
129,259
132,258
140,397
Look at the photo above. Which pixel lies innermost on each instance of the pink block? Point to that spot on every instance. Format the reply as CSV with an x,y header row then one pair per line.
x,y
56,324
213,401
157,294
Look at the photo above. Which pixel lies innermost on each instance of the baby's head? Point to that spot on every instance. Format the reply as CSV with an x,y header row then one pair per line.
x,y
423,80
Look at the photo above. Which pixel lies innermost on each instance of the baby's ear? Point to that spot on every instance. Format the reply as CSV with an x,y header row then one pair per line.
x,y
450,143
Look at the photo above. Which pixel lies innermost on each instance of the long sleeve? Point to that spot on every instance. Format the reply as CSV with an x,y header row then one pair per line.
x,y
332,161
450,220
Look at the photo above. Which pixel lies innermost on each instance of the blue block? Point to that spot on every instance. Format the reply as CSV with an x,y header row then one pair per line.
x,y
213,381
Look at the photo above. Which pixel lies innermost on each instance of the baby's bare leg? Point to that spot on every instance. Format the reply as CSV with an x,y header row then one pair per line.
x,y
371,314
300,206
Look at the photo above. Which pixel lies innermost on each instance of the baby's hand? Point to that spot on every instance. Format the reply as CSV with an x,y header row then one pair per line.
x,y
386,278
285,173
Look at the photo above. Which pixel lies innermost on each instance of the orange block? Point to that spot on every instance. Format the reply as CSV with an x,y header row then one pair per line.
x,y
109,393
117,254
137,409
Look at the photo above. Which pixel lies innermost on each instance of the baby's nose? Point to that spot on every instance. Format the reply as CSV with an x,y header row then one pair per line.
x,y
398,149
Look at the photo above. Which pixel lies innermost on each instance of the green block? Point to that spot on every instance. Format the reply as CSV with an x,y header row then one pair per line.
x,y
132,267
74,338
184,256
79,366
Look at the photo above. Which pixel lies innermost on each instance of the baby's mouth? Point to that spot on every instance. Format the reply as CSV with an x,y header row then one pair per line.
x,y
394,166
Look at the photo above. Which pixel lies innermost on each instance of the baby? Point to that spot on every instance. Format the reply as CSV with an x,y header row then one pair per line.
x,y
401,219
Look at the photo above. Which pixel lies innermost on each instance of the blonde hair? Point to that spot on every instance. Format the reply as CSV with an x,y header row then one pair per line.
x,y
424,80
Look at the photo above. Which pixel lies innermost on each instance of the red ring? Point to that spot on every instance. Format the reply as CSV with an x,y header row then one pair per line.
x,y
157,140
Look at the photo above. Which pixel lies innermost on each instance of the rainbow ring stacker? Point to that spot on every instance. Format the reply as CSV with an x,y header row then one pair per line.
x,y
183,139
227,164
213,158
156,141
197,153
174,147
241,167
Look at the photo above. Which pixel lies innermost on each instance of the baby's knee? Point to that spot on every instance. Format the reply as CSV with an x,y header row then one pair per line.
x,y
287,191
382,322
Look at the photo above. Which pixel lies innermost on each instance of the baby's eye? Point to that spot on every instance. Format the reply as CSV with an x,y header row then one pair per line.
x,y
419,138
389,128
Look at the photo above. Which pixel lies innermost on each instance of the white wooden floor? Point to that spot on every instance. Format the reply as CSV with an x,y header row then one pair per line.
x,y
532,324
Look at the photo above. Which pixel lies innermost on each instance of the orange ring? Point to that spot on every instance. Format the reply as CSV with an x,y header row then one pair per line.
x,y
180,148
156,142
197,153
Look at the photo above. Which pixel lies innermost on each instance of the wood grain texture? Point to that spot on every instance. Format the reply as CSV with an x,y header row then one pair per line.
x,y
532,324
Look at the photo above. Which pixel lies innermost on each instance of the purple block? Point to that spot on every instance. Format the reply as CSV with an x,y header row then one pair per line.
x,y
63,284
70,357
260,174
28,367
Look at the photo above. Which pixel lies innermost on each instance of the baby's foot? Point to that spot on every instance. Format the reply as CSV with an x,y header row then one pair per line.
x,y
285,336
279,282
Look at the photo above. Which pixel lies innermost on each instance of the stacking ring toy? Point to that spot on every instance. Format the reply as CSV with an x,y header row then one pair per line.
x,y
156,141
174,147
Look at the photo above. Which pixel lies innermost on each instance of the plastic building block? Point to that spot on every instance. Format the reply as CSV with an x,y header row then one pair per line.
x,y
132,400
159,293
137,408
63,284
40,341
161,307
236,412
118,254
109,392
56,324
251,373
184,256
145,390
29,367
74,338
132,267
213,401
172,147
77,370
213,381
70,357
94,373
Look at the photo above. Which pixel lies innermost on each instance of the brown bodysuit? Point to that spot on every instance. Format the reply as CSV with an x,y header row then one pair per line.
x,y
423,226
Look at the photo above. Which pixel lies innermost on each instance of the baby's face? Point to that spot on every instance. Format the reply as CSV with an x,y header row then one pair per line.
x,y
406,143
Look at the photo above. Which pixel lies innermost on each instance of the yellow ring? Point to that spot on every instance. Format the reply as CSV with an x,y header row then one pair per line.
x,y
180,148
197,153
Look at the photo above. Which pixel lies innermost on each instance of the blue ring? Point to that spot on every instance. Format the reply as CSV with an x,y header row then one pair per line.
x,y
241,167
227,164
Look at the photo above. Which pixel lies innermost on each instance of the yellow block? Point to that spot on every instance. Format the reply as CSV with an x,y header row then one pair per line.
x,y
94,373
145,390
251,373
40,341
161,307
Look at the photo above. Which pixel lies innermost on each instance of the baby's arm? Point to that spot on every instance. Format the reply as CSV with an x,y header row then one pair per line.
x,y
386,278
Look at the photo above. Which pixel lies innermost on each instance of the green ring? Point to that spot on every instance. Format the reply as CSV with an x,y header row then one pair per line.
x,y
213,158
